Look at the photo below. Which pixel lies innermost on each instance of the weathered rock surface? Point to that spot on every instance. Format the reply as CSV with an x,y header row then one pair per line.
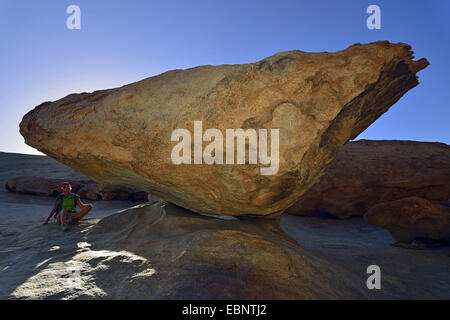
x,y
87,189
411,218
318,101
36,186
36,261
365,173
166,252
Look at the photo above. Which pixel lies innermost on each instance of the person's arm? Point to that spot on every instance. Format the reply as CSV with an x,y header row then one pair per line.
x,y
55,207
81,204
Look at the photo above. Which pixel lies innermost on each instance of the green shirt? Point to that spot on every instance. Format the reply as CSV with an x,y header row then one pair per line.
x,y
68,202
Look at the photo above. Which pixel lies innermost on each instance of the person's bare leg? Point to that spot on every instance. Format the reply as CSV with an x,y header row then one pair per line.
x,y
64,216
82,213
58,218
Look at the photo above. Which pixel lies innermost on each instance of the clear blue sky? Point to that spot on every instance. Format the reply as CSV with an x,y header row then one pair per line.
x,y
125,41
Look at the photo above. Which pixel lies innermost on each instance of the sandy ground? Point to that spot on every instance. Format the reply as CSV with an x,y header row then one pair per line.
x,y
33,256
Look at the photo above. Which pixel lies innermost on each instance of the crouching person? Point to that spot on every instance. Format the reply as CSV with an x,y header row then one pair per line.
x,y
65,207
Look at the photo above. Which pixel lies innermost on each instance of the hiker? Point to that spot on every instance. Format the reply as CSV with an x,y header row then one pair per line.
x,y
65,207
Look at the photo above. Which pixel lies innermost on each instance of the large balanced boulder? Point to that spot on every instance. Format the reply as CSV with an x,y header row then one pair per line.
x,y
411,218
366,173
317,101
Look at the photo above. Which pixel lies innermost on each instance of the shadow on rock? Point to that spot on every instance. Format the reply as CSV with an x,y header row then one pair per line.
x,y
177,254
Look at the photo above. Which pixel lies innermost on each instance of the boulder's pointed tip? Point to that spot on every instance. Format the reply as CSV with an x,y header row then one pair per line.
x,y
420,64
415,66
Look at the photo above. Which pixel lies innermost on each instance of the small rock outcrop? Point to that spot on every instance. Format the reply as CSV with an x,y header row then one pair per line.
x,y
87,189
317,101
411,218
366,173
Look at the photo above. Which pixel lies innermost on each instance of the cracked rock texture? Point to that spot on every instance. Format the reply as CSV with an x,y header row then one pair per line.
x,y
318,101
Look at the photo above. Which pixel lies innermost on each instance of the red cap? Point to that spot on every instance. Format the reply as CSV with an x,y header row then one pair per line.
x,y
62,185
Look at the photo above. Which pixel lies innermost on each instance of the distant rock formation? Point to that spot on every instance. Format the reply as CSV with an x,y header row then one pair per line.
x,y
365,173
411,218
87,189
318,101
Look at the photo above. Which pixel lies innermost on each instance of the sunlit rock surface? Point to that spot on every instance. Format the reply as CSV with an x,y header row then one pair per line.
x,y
161,251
